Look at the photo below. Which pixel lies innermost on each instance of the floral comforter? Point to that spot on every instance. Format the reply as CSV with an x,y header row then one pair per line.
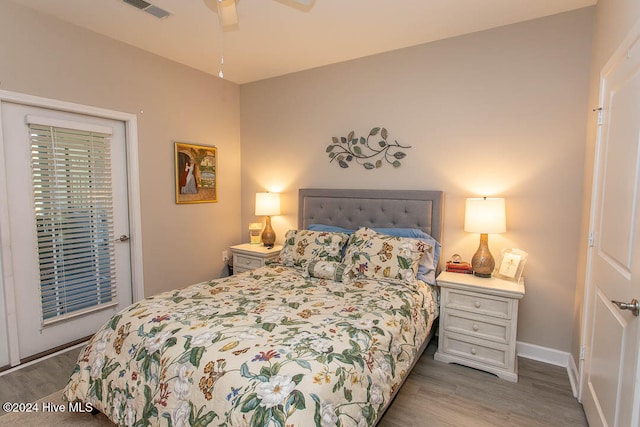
x,y
263,348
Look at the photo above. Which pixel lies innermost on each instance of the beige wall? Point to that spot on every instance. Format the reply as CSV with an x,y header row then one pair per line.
x,y
613,20
182,244
500,112
497,112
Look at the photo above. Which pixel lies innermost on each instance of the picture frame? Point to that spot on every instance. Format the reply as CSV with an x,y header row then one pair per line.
x,y
510,265
196,173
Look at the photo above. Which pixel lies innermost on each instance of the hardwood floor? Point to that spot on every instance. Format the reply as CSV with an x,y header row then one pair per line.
x,y
435,394
38,380
454,395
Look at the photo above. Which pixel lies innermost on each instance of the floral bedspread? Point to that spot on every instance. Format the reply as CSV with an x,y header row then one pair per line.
x,y
263,348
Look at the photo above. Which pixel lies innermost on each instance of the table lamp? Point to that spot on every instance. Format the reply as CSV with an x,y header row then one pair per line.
x,y
485,216
268,204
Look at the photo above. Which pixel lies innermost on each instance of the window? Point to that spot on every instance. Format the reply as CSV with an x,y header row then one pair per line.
x,y
71,170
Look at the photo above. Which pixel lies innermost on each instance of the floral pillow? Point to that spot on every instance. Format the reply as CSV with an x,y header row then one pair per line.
x,y
429,262
331,270
372,255
303,246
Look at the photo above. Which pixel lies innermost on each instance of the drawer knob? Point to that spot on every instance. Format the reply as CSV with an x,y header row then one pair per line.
x,y
475,327
473,351
477,304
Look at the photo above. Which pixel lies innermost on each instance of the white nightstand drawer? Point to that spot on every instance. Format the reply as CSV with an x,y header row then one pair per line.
x,y
238,270
483,327
478,303
249,257
479,323
458,346
246,262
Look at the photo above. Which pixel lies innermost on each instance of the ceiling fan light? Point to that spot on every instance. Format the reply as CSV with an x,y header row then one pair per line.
x,y
227,12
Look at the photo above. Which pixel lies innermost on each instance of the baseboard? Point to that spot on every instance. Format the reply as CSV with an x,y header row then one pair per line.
x,y
574,376
552,357
47,356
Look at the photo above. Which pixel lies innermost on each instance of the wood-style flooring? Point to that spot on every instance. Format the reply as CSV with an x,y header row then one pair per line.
x,y
438,394
435,394
39,379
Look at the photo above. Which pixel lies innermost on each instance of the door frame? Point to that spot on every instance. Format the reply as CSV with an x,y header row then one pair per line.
x,y
629,42
133,189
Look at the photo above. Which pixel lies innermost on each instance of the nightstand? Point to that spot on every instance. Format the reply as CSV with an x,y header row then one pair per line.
x,y
479,322
247,256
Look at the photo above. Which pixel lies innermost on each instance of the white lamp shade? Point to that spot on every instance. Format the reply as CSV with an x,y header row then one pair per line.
x,y
485,215
267,204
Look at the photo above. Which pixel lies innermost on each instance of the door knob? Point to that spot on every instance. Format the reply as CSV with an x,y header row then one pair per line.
x,y
633,306
122,238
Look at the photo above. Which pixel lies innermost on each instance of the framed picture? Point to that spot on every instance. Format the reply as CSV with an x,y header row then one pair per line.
x,y
510,264
196,173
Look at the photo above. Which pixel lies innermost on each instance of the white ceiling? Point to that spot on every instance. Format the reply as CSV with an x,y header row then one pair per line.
x,y
274,37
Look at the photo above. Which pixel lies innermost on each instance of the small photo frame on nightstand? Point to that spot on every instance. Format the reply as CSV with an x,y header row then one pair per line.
x,y
510,264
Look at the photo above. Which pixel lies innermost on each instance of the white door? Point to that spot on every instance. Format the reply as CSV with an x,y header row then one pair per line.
x,y
611,378
5,359
60,308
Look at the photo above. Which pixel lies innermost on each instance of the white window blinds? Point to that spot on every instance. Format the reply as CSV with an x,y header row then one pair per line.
x,y
71,169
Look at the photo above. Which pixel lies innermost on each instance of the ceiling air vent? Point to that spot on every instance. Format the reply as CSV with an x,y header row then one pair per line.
x,y
149,8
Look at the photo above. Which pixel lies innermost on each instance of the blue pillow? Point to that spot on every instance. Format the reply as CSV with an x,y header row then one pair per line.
x,y
329,228
426,273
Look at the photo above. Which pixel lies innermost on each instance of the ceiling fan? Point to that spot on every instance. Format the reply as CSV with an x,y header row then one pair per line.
x,y
228,13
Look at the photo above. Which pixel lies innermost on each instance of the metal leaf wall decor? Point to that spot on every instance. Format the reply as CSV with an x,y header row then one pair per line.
x,y
370,152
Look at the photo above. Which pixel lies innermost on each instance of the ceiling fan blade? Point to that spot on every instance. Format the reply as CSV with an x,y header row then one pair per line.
x,y
303,2
226,10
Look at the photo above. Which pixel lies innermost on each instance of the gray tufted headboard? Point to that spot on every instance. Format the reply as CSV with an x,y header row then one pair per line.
x,y
372,208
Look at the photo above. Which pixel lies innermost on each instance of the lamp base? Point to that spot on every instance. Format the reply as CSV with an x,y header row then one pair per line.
x,y
482,261
268,235
481,275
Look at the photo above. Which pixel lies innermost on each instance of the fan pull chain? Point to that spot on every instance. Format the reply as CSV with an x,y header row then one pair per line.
x,y
220,73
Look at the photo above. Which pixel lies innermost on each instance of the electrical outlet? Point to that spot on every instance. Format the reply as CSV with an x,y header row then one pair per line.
x,y
225,256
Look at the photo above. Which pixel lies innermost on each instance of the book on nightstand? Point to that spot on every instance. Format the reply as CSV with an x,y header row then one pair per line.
x,y
459,267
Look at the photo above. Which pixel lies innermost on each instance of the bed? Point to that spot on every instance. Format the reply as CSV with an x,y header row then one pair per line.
x,y
324,337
